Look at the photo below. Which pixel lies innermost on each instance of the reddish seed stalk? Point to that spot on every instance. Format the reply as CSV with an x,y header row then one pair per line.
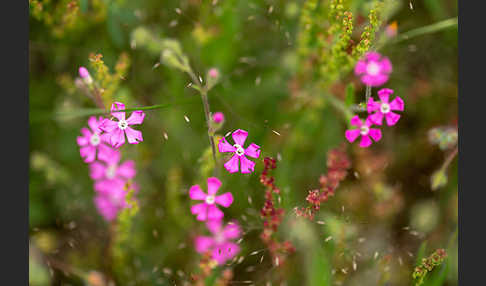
x,y
272,216
338,164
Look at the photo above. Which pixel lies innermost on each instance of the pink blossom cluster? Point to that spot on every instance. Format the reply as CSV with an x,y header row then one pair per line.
x,y
220,244
374,71
99,147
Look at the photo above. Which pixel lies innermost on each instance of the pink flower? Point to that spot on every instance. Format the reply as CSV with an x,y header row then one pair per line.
x,y
92,141
384,108
253,150
208,209
111,197
220,245
364,130
218,117
118,129
373,69
84,74
111,169
213,72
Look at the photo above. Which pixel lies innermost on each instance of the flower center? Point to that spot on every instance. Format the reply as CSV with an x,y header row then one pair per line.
x,y
363,130
373,68
111,171
385,108
210,200
239,150
95,139
122,124
219,237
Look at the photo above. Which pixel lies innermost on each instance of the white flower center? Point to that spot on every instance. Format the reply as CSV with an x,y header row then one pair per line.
x,y
373,68
364,130
210,200
110,171
385,108
239,150
122,124
95,139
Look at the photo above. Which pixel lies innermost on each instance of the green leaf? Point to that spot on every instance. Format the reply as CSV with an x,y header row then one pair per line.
x,y
438,179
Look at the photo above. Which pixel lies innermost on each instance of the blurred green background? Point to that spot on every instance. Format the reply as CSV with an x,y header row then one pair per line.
x,y
384,216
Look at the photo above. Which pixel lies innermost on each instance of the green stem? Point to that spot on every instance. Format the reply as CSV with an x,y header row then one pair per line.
x,y
452,22
99,111
207,114
339,105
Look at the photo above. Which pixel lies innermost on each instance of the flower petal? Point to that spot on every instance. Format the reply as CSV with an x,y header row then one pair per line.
x,y
224,146
127,169
392,118
239,136
86,133
372,56
196,193
104,152
214,212
203,243
225,199
386,65
94,124
232,164
214,226
136,117
375,134
253,150
201,210
133,136
225,252
108,125
356,121
97,170
88,153
232,230
213,185
247,166
372,105
118,106
351,135
82,141
384,94
376,118
106,209
397,104
360,67
365,141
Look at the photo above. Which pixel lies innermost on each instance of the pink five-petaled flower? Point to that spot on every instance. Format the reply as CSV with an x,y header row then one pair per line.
x,y
373,69
384,108
253,150
118,129
92,141
220,245
364,130
208,209
111,169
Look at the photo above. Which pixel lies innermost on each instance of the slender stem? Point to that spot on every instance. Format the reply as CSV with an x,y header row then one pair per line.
x,y
207,114
427,29
338,104
449,158
368,93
